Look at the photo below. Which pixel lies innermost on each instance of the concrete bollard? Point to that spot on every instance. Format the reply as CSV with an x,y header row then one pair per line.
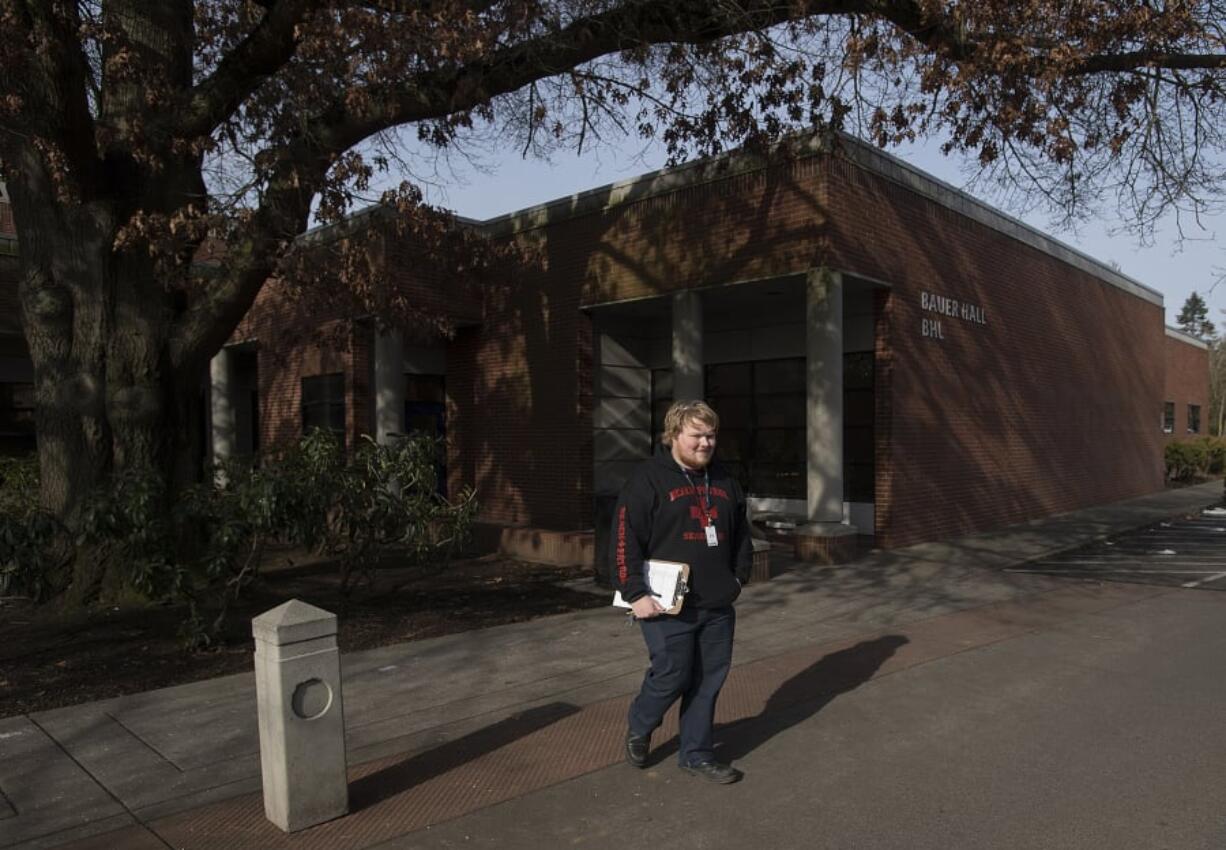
x,y
302,719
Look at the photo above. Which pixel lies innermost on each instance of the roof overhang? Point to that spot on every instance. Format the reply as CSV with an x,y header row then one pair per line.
x,y
1176,333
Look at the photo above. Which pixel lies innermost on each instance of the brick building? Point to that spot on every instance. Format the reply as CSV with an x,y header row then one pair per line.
x,y
1185,397
891,358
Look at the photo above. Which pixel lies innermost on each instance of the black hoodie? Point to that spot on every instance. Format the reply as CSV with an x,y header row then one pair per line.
x,y
660,514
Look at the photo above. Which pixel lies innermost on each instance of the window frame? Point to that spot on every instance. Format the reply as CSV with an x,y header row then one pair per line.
x,y
1193,418
753,462
331,405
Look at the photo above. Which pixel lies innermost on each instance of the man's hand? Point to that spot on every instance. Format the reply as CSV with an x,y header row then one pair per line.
x,y
646,607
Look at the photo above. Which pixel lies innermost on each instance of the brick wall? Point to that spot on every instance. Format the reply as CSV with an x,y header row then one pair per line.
x,y
1046,407
1186,382
432,291
519,397
288,352
739,228
522,380
993,424
295,340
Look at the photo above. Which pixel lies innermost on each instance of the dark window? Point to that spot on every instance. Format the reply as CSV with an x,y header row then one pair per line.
x,y
425,405
323,404
17,408
16,418
1168,417
1193,418
762,435
859,416
425,388
253,398
244,383
661,400
425,412
761,407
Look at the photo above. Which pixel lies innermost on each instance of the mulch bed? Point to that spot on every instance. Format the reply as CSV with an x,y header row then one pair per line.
x,y
48,661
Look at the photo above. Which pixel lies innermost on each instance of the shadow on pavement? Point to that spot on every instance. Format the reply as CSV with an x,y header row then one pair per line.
x,y
387,782
807,693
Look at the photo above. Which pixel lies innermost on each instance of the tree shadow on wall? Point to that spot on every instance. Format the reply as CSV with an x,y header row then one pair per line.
x,y
1057,387
536,373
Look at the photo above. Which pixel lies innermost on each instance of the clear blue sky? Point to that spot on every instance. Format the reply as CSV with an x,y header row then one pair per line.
x,y
505,182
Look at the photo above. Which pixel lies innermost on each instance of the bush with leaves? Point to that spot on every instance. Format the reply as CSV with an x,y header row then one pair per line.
x,y
1185,459
33,557
383,498
204,547
1215,455
201,552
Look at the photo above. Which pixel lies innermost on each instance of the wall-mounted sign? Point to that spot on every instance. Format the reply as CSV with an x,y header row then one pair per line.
x,y
943,305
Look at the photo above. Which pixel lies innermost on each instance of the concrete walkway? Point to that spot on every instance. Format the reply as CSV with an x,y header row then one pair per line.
x,y
503,735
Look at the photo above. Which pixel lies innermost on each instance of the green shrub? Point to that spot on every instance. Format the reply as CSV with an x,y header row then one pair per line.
x,y
1185,459
204,547
1215,455
18,485
383,498
33,554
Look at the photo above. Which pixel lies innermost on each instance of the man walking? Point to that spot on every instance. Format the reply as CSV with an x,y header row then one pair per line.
x,y
680,506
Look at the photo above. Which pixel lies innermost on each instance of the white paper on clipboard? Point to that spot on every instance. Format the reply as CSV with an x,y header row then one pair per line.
x,y
667,582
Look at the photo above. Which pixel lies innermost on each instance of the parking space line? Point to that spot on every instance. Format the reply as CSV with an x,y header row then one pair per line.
x,y
1180,555
1204,580
1183,552
1123,562
1152,549
1059,568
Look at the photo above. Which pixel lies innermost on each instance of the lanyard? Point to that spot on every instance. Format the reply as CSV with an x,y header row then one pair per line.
x,y
704,504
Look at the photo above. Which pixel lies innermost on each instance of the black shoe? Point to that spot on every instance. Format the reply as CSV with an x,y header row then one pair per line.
x,y
713,771
637,747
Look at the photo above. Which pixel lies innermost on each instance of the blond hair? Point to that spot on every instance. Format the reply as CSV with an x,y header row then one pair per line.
x,y
682,412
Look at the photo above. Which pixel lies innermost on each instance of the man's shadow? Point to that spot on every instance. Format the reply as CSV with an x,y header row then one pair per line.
x,y
807,693
801,697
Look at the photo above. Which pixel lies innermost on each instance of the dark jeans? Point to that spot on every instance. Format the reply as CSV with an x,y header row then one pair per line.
x,y
690,656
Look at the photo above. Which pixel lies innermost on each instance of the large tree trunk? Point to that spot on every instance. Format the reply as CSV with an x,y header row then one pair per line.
x,y
64,298
118,341
108,399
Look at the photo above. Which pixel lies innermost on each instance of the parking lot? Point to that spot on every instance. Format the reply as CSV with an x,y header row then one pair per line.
x,y
1188,551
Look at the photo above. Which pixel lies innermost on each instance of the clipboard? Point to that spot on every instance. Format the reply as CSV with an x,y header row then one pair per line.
x,y
668,581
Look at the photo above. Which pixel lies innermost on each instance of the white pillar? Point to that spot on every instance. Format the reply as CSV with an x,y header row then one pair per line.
x,y
389,385
301,716
223,422
824,405
687,346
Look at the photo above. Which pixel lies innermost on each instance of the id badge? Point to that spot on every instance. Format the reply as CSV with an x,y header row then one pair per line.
x,y
712,535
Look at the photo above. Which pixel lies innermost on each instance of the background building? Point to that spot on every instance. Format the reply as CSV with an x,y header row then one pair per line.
x,y
892,359
1185,405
